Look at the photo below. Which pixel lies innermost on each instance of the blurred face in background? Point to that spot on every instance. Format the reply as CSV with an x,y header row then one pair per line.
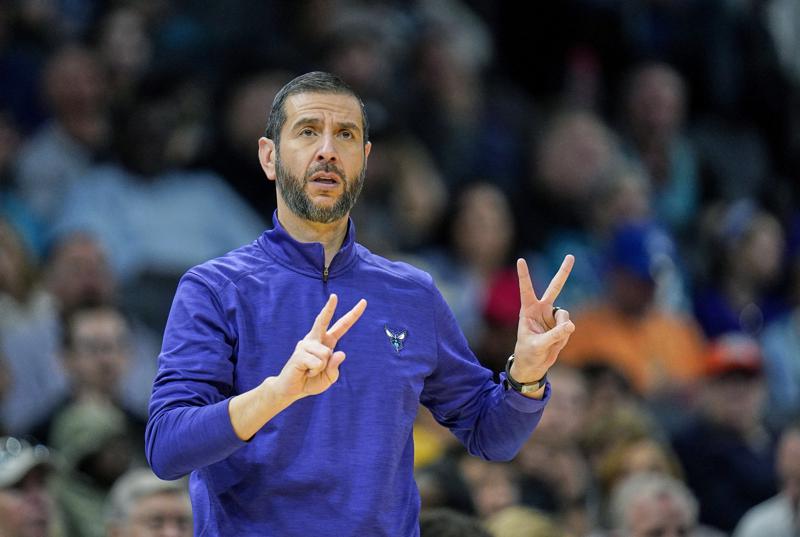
x,y
78,273
656,103
575,151
483,230
734,400
491,486
100,350
26,507
760,250
662,516
165,514
788,462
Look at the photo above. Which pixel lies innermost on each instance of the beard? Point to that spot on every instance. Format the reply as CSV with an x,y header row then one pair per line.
x,y
293,191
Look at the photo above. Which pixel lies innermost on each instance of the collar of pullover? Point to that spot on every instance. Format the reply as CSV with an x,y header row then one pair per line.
x,y
307,257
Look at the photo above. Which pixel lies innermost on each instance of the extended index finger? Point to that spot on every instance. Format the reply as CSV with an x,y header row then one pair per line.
x,y
526,293
558,281
347,320
323,319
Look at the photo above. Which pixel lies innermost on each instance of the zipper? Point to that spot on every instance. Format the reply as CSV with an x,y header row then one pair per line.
x,y
325,274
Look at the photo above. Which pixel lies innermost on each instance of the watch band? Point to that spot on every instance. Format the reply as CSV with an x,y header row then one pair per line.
x,y
522,387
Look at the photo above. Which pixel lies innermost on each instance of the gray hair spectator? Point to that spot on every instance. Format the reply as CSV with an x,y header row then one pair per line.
x,y
647,504
142,505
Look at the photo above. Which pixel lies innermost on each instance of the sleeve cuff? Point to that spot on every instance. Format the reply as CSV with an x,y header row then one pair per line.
x,y
221,428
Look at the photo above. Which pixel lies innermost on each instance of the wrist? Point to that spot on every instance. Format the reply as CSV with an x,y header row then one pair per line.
x,y
272,392
530,383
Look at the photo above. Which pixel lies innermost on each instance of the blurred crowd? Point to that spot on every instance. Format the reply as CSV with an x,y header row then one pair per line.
x,y
656,140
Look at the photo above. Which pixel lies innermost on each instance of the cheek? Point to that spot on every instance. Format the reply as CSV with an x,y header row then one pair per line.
x,y
11,512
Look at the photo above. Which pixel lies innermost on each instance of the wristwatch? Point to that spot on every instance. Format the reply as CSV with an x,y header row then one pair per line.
x,y
522,387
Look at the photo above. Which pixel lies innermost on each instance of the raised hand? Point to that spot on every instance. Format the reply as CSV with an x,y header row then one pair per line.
x,y
314,364
542,331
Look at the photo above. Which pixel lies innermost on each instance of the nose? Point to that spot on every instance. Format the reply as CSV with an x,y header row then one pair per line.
x,y
327,150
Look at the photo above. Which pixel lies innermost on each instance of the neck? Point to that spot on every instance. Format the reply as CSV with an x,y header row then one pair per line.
x,y
331,236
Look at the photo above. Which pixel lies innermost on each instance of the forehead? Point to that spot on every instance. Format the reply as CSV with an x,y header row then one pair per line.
x,y
323,106
104,320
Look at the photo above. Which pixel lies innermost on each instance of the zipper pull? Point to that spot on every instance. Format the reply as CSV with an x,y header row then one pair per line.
x,y
325,274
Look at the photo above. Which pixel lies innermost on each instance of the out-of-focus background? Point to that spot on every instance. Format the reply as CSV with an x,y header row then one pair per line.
x,y
656,140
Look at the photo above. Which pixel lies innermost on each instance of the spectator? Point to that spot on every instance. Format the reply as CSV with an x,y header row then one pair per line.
x,y
26,506
457,107
659,351
91,439
77,275
28,333
153,218
518,521
404,200
142,505
617,197
554,474
651,504
745,252
480,245
126,48
780,515
725,449
449,523
64,148
654,109
781,345
242,123
96,352
645,454
574,153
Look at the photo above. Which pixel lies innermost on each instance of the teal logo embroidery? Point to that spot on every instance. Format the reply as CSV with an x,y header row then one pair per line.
x,y
396,338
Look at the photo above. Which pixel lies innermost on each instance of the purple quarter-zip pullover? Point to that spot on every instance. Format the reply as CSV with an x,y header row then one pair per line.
x,y
339,463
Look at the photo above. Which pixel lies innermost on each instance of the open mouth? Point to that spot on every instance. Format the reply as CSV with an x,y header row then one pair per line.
x,y
326,178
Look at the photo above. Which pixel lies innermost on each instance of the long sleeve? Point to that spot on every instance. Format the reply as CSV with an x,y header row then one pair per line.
x,y
492,422
189,426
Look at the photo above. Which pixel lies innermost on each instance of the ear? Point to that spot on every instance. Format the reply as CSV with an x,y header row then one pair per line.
x,y
367,149
266,156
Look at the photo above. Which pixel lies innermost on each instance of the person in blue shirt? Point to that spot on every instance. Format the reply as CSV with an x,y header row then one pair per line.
x,y
253,397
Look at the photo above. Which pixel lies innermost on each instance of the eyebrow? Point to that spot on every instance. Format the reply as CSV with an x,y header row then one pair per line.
x,y
307,121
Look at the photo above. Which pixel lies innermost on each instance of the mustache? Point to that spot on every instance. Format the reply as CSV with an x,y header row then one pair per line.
x,y
327,167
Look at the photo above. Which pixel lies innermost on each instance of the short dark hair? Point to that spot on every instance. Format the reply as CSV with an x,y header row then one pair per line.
x,y
313,82
69,319
444,522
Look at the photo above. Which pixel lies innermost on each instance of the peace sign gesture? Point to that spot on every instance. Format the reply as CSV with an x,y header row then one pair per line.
x,y
543,330
314,365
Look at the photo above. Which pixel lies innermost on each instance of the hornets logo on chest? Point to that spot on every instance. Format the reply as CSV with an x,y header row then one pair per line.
x,y
396,338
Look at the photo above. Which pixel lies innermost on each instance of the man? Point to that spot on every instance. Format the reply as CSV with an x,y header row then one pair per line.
x,y
26,507
142,505
725,448
648,504
266,457
780,515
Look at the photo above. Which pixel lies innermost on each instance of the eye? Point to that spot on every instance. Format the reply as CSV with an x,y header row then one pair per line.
x,y
307,132
347,135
